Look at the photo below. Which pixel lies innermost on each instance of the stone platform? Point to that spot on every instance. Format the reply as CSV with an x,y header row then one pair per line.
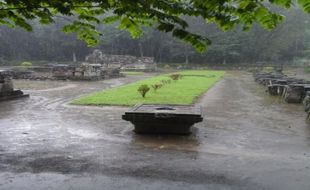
x,y
163,119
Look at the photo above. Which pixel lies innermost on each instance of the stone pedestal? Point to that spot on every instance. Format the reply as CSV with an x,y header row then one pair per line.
x,y
163,119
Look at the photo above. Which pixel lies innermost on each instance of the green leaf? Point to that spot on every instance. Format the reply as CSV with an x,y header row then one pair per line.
x,y
283,3
305,5
111,19
198,42
129,25
166,27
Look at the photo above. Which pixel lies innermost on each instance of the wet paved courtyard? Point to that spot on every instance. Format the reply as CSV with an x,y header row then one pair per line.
x,y
248,140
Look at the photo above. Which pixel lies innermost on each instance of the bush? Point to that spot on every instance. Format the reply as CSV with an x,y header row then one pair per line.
x,y
156,86
164,82
143,89
26,64
307,70
175,77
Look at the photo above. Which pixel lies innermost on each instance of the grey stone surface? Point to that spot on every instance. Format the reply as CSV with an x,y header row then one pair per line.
x,y
7,88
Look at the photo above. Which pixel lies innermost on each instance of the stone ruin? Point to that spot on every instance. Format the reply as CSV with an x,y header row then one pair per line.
x,y
292,90
6,84
125,62
97,66
85,71
306,103
95,58
7,88
92,69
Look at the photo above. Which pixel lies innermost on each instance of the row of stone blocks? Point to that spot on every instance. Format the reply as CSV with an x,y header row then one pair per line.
x,y
292,90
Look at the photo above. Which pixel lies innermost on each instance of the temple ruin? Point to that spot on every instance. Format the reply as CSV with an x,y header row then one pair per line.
x,y
124,62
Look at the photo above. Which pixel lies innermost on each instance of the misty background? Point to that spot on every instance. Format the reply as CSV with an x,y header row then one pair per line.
x,y
288,44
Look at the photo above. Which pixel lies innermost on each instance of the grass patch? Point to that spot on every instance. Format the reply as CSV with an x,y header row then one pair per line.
x,y
307,69
132,73
183,91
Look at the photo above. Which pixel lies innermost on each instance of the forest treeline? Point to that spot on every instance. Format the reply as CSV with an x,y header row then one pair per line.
x,y
288,43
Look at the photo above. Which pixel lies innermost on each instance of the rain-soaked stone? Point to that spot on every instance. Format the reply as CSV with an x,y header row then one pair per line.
x,y
277,87
295,93
307,104
163,119
273,89
7,88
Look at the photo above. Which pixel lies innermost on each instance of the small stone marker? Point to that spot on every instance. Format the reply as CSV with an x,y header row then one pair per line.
x,y
7,91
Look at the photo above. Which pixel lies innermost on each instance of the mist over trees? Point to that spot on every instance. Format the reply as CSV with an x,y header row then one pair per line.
x,y
289,42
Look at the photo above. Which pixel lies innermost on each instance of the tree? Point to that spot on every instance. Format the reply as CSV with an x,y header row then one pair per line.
x,y
164,15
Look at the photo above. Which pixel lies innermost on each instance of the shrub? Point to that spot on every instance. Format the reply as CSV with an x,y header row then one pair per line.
x,y
156,86
143,89
26,64
175,77
166,81
307,69
163,82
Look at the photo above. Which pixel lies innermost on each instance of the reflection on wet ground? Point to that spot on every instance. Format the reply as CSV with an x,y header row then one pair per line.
x,y
248,140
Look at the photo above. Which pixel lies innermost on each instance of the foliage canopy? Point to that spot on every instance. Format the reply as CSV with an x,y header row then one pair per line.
x,y
164,15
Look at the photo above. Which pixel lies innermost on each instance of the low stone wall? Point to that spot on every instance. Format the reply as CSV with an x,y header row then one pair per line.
x,y
68,72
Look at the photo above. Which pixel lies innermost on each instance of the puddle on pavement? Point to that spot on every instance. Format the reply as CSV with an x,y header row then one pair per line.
x,y
175,142
38,85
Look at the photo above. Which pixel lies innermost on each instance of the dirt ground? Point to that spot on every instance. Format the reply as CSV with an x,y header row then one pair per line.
x,y
248,140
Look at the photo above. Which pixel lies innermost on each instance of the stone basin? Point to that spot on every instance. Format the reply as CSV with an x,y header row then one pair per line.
x,y
163,119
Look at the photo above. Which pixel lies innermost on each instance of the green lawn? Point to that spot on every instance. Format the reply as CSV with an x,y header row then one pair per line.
x,y
184,91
